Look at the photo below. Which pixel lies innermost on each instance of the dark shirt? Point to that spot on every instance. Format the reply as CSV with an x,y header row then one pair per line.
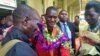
x,y
73,30
21,48
76,25
1,31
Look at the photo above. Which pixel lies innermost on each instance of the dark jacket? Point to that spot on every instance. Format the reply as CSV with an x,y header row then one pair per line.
x,y
73,29
22,48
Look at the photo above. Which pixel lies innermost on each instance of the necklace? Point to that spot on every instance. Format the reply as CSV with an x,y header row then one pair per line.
x,y
56,34
57,38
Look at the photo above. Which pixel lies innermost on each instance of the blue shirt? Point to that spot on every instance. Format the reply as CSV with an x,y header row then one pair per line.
x,y
67,29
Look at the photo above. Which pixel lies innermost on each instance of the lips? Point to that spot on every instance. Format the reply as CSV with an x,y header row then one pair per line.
x,y
51,23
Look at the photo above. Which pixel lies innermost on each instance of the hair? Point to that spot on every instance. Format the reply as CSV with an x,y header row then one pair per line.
x,y
77,16
22,11
62,11
8,18
93,4
50,9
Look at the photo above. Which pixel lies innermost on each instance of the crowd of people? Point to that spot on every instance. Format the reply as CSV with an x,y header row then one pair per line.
x,y
25,33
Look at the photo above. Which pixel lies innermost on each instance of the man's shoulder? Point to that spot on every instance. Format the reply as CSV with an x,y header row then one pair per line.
x,y
21,44
69,23
21,49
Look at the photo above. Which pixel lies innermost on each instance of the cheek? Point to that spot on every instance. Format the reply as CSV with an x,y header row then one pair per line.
x,y
66,16
29,25
61,16
34,25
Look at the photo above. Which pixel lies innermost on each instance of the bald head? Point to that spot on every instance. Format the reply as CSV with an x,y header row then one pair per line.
x,y
26,19
23,11
51,8
62,11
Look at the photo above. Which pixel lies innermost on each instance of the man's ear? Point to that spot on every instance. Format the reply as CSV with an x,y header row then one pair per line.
x,y
25,20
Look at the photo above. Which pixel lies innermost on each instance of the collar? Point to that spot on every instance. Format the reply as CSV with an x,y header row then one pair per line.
x,y
63,23
96,28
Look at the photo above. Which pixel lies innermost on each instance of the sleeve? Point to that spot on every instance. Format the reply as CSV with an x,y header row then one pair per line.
x,y
76,28
21,49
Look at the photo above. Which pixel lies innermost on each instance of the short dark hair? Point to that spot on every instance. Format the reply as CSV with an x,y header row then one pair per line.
x,y
21,11
50,8
77,16
93,4
62,11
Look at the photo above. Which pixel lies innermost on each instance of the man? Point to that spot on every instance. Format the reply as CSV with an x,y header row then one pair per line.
x,y
8,24
52,43
76,22
92,14
25,21
67,27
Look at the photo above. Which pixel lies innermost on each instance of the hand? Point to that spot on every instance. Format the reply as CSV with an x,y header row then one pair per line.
x,y
89,40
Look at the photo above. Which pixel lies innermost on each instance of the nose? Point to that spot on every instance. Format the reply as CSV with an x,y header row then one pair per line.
x,y
52,19
64,15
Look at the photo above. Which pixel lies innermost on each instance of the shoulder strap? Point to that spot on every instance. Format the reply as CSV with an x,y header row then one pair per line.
x,y
5,48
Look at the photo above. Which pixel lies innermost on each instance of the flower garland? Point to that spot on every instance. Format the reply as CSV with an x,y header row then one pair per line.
x,y
56,40
56,34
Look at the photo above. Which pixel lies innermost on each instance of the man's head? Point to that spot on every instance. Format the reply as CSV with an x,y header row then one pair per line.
x,y
51,16
92,12
26,19
43,19
63,15
76,18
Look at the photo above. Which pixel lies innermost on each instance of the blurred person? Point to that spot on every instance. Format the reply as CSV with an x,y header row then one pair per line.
x,y
2,27
91,36
76,22
77,39
8,24
25,20
1,34
2,24
67,27
43,19
8,20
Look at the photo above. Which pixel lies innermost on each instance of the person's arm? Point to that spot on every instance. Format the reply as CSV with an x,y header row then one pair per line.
x,y
21,49
92,42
